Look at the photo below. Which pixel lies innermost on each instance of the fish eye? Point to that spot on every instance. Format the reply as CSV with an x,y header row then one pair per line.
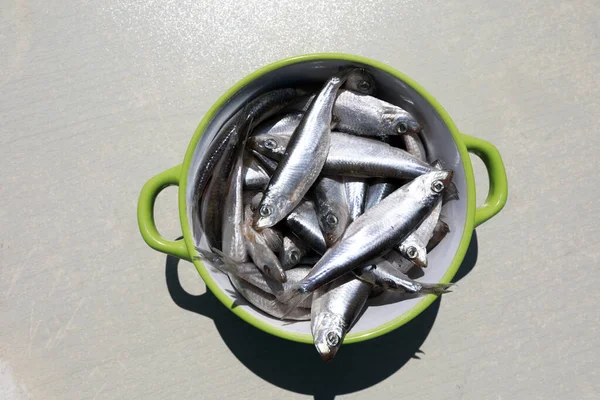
x,y
270,144
331,219
294,256
267,269
437,186
364,85
411,252
332,338
265,211
402,127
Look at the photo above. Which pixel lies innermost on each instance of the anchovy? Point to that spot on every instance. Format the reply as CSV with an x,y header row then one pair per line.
x,y
335,309
260,253
305,156
384,274
352,156
439,233
294,250
332,208
376,232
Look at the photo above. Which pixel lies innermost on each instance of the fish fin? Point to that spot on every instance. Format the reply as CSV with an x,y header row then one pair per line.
x,y
437,164
451,193
435,288
292,298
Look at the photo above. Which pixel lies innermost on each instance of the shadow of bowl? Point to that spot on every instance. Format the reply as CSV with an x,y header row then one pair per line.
x,y
297,367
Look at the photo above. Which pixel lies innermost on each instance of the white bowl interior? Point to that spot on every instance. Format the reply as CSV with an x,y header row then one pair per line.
x,y
440,145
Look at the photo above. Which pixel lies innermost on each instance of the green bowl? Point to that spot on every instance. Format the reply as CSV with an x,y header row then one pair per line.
x,y
443,141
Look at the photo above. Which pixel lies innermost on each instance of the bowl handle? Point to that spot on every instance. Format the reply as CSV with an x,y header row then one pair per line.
x,y
145,214
498,191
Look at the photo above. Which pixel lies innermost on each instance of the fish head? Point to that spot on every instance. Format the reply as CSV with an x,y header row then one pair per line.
x,y
437,181
360,81
273,269
415,253
400,121
328,332
334,222
272,146
269,211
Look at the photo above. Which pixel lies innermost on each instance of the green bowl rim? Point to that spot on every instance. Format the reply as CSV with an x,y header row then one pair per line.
x,y
351,337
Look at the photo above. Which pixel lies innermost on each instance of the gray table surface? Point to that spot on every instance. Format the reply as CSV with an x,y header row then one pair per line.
x,y
98,96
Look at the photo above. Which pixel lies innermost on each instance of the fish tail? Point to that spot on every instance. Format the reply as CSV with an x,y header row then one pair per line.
x,y
219,260
292,298
451,193
436,288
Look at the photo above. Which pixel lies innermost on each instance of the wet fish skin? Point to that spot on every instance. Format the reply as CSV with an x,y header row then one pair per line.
x,y
273,238
332,208
255,176
263,257
377,231
267,302
379,190
335,308
364,115
305,153
355,156
356,193
294,250
303,222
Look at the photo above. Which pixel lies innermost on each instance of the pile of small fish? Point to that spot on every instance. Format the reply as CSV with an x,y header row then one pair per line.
x,y
312,202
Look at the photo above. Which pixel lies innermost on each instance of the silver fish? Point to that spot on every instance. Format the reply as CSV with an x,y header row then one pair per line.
x,y
233,217
255,176
273,239
294,250
384,274
335,309
224,143
356,193
376,232
305,156
365,115
280,125
439,233
260,253
303,222
361,81
351,155
267,302
414,247
332,208
369,116
267,163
